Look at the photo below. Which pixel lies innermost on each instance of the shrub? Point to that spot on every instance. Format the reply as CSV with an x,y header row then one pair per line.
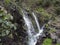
x,y
47,41
5,23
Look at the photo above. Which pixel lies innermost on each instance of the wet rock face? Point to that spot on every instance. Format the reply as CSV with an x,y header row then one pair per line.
x,y
40,41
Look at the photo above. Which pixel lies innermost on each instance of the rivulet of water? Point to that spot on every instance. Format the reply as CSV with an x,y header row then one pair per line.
x,y
32,39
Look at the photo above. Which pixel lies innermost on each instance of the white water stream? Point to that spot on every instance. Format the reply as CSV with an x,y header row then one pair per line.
x,y
32,39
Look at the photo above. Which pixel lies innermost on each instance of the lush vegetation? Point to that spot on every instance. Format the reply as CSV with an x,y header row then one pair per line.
x,y
12,24
47,41
5,23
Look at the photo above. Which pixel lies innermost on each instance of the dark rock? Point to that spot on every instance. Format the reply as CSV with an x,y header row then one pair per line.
x,y
40,41
54,41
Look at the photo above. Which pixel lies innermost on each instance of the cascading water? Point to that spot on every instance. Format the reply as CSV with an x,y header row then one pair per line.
x,y
32,38
40,30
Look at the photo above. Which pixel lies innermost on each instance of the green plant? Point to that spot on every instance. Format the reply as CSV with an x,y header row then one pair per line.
x,y
5,23
47,41
44,13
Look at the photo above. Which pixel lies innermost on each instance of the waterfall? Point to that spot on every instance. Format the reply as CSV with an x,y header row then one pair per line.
x,y
40,30
32,39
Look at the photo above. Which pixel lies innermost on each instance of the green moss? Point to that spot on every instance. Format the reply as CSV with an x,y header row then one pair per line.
x,y
47,41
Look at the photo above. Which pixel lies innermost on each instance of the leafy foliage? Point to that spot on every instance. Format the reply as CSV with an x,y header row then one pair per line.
x,y
44,13
47,41
5,24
